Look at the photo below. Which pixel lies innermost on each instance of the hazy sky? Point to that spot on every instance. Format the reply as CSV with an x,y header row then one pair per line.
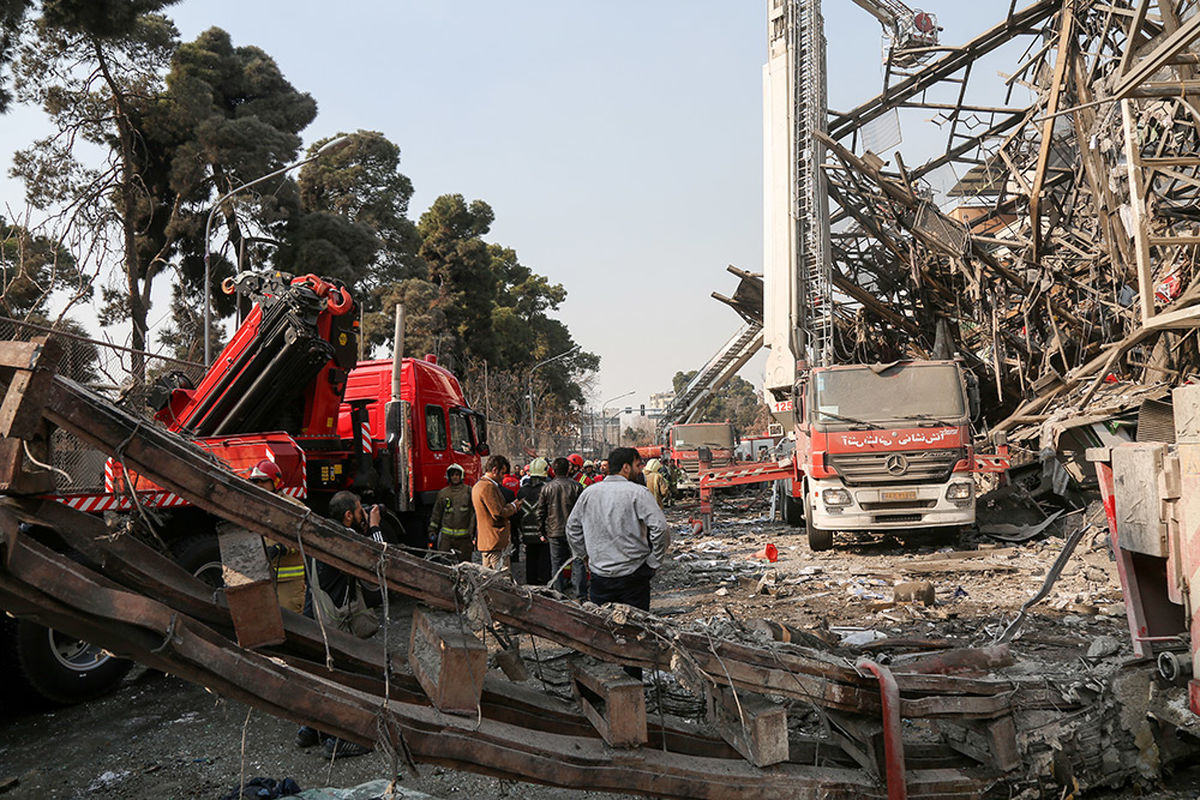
x,y
619,143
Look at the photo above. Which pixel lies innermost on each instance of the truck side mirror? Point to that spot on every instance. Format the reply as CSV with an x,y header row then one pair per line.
x,y
973,399
482,449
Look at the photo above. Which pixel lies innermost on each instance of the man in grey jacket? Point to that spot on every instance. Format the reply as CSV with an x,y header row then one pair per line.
x,y
623,532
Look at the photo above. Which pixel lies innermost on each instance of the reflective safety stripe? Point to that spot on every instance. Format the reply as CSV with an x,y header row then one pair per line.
x,y
455,531
290,572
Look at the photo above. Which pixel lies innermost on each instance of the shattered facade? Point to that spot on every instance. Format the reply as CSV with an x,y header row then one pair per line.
x,y
1064,254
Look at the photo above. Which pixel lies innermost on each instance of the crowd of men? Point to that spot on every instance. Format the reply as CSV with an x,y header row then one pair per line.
x,y
599,520
596,529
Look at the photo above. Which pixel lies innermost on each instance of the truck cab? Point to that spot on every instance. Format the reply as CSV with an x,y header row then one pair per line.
x,y
883,446
686,440
443,429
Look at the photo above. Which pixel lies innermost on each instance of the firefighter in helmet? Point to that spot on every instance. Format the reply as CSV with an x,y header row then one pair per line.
x,y
452,526
576,462
286,563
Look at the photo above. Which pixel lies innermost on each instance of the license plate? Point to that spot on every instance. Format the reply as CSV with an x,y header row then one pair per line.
x,y
910,494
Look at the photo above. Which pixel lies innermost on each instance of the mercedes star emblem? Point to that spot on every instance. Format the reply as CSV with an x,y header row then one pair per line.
x,y
896,464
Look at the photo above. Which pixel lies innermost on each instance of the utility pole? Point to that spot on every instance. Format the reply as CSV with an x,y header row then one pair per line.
x,y
532,431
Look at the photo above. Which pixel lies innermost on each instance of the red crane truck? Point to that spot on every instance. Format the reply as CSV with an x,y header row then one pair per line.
x,y
287,387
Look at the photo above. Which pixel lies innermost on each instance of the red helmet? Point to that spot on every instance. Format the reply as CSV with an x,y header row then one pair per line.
x,y
576,460
267,470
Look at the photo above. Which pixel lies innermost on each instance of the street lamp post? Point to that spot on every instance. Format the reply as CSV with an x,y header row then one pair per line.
x,y
325,148
604,416
564,354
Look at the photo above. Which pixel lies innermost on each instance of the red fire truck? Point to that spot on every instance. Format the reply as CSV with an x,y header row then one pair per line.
x,y
288,388
685,442
878,447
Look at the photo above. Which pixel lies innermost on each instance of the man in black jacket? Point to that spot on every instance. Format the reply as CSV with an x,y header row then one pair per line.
x,y
557,499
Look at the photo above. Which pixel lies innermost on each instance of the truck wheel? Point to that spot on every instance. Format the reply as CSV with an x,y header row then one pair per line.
x,y
201,556
818,539
58,668
793,511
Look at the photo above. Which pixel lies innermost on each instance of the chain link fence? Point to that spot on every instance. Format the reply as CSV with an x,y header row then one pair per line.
x,y
121,374
513,441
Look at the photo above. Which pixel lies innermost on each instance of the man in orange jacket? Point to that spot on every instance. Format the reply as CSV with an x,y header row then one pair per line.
x,y
492,528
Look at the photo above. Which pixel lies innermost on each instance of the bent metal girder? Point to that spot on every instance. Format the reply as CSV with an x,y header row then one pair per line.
x,y
71,599
131,599
147,608
183,468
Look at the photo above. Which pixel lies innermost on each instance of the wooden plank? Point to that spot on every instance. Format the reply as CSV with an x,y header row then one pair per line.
x,y
249,588
752,725
1137,209
612,701
1167,49
448,661
21,410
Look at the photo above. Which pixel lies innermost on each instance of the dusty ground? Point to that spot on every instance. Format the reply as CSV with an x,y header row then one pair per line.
x,y
158,737
979,584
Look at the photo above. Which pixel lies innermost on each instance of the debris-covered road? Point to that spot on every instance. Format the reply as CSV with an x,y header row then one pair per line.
x,y
161,737
845,594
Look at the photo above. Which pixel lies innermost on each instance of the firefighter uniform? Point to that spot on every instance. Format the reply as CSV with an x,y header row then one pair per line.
x,y
286,563
453,521
289,580
656,482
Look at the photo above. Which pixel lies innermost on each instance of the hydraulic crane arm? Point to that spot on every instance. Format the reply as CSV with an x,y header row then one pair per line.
x,y
907,28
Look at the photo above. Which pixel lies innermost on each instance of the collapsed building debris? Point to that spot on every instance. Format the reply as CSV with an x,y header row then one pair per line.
x,y
1066,278
977,725
1068,260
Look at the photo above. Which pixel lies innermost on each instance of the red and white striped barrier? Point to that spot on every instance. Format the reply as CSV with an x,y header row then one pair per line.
x,y
96,503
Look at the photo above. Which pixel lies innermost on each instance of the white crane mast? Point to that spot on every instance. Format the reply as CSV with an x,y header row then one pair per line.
x,y
798,297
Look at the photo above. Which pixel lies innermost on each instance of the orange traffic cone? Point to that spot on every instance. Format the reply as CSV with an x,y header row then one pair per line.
x,y
770,553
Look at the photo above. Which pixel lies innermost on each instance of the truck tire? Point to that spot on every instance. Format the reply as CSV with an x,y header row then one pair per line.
x,y
818,539
793,510
57,668
200,554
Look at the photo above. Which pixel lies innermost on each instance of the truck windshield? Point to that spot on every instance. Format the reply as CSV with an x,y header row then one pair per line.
x,y
906,392
690,437
460,432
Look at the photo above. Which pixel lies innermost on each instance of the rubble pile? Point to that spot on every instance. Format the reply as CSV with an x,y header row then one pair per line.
x,y
923,598
1068,259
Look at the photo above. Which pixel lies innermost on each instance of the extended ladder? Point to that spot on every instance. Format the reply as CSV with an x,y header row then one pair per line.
x,y
740,348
